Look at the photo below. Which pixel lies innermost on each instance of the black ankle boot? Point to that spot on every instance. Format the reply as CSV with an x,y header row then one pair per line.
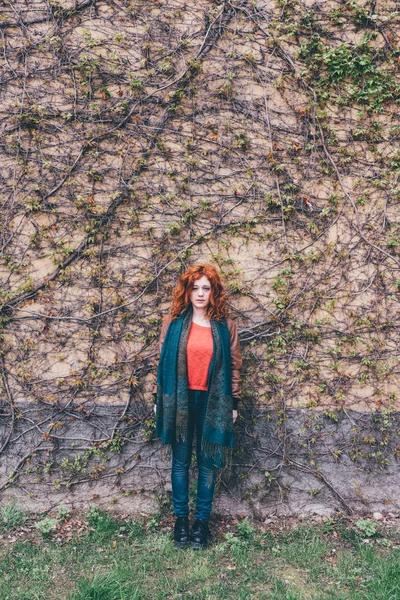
x,y
181,532
201,536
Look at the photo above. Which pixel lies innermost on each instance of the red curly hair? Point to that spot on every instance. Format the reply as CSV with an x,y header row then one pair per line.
x,y
216,309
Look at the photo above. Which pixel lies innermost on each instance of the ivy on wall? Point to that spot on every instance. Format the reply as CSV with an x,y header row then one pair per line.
x,y
138,140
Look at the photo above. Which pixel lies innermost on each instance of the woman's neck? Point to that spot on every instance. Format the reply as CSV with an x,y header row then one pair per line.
x,y
200,316
200,313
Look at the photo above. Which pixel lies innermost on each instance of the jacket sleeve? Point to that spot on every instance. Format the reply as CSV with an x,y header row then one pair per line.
x,y
236,361
164,327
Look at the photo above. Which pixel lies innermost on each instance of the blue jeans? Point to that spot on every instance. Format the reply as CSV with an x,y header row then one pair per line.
x,y
181,458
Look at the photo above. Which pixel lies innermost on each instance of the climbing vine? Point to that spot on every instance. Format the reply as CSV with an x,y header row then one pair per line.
x,y
140,138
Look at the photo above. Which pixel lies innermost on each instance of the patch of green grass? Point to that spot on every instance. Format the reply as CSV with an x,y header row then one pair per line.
x,y
369,574
12,515
125,560
385,584
112,586
303,547
102,524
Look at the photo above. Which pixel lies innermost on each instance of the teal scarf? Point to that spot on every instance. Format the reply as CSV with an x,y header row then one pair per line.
x,y
173,391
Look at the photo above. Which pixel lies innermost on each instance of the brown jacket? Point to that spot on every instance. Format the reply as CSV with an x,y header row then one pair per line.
x,y
236,359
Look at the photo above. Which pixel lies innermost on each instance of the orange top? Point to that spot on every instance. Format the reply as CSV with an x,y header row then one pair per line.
x,y
199,352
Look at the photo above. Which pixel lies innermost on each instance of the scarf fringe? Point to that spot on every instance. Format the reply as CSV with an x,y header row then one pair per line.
x,y
220,455
181,432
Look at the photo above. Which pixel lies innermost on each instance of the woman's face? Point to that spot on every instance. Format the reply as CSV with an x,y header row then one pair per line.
x,y
201,293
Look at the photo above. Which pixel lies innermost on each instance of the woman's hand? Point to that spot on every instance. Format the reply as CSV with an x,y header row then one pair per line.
x,y
234,415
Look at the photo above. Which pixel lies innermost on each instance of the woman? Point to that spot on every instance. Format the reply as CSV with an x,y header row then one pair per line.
x,y
198,387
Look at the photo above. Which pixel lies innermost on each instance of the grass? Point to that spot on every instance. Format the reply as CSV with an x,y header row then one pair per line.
x,y
12,515
102,558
